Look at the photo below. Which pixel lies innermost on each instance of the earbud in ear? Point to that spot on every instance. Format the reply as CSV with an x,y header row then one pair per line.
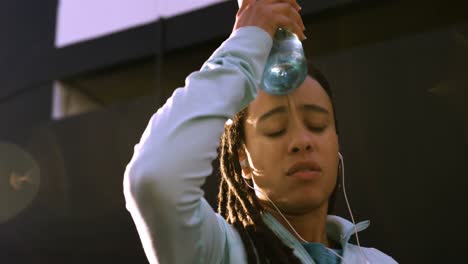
x,y
243,163
245,169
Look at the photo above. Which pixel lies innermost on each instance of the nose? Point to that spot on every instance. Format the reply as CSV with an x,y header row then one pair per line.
x,y
296,149
301,140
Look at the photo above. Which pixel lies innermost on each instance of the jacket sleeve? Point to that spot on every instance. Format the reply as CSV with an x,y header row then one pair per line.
x,y
377,256
162,182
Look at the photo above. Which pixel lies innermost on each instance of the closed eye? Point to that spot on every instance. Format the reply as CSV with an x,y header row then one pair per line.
x,y
317,129
275,134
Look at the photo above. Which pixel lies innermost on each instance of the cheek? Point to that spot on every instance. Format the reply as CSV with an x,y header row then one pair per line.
x,y
330,154
329,143
265,155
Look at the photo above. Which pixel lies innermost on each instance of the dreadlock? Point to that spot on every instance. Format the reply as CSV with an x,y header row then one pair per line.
x,y
238,203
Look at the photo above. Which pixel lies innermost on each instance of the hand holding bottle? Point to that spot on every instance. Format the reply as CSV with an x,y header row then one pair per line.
x,y
270,15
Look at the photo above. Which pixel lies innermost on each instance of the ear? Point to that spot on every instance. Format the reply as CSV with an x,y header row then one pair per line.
x,y
244,162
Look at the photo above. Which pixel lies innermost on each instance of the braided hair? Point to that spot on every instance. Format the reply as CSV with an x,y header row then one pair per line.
x,y
238,203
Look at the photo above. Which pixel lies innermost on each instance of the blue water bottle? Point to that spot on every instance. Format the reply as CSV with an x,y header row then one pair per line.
x,y
286,67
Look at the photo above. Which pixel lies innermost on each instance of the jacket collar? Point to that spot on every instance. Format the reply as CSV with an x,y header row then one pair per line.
x,y
341,230
338,229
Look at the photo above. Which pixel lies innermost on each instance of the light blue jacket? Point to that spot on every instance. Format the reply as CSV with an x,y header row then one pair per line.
x,y
162,182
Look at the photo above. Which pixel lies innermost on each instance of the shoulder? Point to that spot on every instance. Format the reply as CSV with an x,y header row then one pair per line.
x,y
373,255
380,257
234,251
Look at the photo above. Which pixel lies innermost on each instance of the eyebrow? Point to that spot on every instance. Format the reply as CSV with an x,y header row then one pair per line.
x,y
283,109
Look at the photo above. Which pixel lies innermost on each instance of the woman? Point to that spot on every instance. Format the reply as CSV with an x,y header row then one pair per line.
x,y
279,161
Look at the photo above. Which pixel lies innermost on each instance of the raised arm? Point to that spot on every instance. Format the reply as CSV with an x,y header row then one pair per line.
x,y
162,182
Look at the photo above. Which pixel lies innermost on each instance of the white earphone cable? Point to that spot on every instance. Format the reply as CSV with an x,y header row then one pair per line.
x,y
289,224
349,209
365,260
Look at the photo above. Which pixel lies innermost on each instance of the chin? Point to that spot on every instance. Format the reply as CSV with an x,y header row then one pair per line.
x,y
303,203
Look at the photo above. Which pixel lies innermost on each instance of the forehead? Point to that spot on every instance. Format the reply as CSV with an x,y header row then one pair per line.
x,y
310,92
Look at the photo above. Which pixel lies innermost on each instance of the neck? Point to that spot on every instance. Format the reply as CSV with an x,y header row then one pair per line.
x,y
311,226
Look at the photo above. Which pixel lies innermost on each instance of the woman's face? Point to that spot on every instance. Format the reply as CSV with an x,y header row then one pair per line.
x,y
291,147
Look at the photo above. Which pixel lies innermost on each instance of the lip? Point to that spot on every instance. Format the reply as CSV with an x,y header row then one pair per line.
x,y
306,170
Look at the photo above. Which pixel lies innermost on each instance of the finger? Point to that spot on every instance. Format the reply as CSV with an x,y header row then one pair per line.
x,y
244,3
297,18
290,25
293,3
284,9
